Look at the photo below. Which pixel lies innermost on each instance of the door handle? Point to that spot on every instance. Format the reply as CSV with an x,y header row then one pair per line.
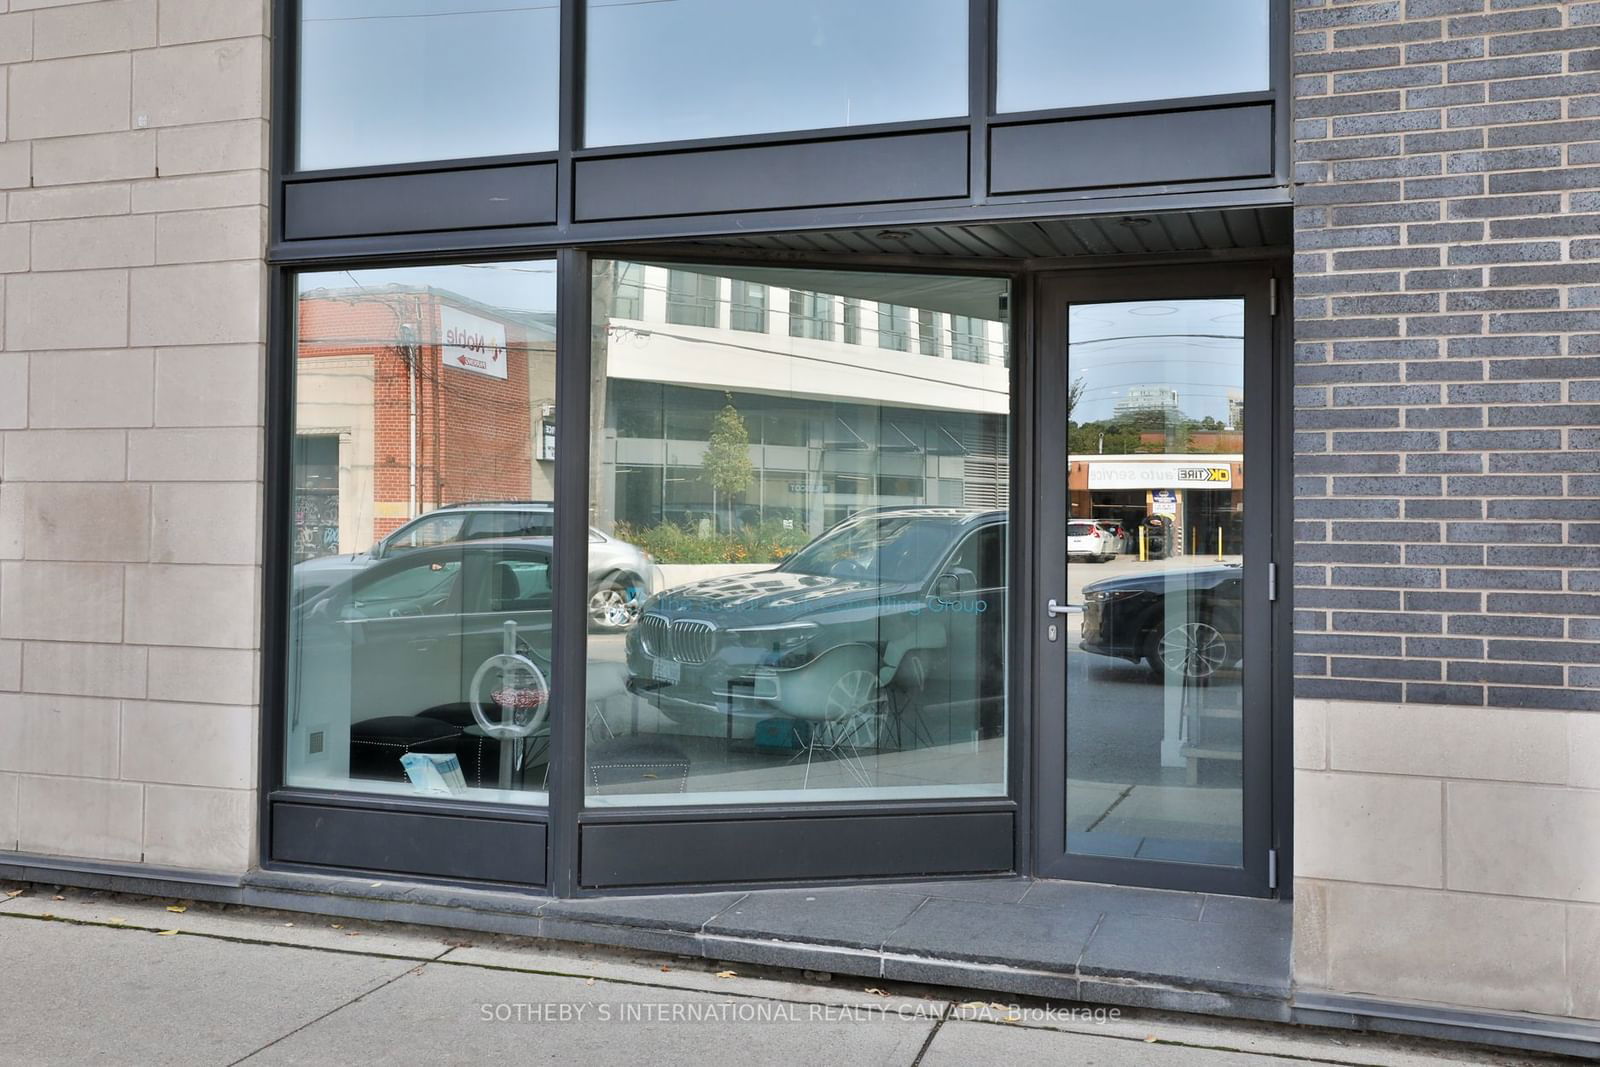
x,y
1052,609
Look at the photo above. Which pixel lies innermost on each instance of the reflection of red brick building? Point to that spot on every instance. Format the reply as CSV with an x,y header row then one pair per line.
x,y
433,399
1204,442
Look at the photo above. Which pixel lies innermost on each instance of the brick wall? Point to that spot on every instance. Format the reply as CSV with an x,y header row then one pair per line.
x,y
1447,511
132,174
485,430
474,432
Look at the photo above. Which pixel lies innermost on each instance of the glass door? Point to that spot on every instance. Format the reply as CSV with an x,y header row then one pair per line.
x,y
1154,669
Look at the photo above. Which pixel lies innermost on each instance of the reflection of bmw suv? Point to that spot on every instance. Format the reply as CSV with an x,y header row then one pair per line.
x,y
620,575
898,598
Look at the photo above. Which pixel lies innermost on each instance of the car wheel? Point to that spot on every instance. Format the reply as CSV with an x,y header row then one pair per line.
x,y
852,706
614,605
1191,652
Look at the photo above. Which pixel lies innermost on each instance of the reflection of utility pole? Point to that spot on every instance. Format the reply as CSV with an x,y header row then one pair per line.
x,y
1101,446
406,340
430,304
410,354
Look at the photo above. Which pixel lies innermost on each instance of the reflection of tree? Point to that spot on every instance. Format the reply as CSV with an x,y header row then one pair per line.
x,y
1152,432
727,463
1074,394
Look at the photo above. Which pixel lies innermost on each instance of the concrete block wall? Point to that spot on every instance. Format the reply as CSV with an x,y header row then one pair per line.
x,y
132,296
1447,511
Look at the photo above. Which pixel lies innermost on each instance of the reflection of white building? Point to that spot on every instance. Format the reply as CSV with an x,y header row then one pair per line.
x,y
1145,398
335,427
795,342
851,399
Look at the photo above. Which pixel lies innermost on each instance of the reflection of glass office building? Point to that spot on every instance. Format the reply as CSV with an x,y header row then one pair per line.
x,y
1148,399
808,469
596,448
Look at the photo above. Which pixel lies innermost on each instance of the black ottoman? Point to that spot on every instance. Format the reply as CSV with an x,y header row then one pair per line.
x,y
376,745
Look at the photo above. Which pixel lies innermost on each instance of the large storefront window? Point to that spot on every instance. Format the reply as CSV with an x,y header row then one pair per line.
x,y
722,68
1052,54
822,610
395,81
422,531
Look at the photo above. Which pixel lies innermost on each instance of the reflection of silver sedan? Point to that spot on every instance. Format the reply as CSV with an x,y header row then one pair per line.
x,y
621,575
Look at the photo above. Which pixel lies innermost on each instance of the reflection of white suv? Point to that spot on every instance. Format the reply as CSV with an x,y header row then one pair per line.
x,y
621,576
1087,539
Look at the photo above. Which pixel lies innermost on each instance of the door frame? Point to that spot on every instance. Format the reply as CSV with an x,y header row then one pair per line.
x,y
1254,282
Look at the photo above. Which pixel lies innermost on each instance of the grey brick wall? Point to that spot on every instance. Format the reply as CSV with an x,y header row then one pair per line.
x,y
1447,355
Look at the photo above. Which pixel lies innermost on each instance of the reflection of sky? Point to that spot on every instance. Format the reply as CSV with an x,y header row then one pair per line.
x,y
676,69
525,287
391,81
1072,53
1195,347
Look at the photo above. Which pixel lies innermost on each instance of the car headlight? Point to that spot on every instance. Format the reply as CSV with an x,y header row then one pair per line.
x,y
1107,596
779,637
787,643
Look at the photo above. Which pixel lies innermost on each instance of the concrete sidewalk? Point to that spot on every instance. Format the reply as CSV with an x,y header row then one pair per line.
x,y
95,978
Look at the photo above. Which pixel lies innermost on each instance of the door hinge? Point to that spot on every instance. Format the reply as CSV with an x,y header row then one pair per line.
x,y
1272,868
1272,581
1272,296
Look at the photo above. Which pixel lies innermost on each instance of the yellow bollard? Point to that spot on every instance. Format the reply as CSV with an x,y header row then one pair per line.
x,y
1142,556
1219,544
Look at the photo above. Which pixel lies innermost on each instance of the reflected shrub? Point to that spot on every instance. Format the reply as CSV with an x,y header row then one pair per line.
x,y
668,542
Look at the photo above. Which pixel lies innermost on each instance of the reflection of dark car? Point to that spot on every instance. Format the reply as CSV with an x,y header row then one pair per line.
x,y
1184,623
902,599
620,575
386,660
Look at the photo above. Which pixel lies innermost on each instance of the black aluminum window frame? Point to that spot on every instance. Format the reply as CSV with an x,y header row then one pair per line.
x,y
349,818
1263,821
563,823
386,208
